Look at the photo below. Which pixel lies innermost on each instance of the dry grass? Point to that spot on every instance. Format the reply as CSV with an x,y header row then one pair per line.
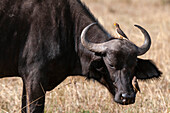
x,y
77,95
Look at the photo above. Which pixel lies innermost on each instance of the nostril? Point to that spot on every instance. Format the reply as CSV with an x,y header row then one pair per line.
x,y
124,95
127,96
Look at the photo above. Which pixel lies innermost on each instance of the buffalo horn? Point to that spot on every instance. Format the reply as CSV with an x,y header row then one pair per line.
x,y
94,47
145,47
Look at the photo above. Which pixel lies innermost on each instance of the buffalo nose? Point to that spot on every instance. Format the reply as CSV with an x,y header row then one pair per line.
x,y
128,97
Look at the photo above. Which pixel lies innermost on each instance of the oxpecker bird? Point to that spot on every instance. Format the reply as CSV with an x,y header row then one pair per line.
x,y
119,32
135,84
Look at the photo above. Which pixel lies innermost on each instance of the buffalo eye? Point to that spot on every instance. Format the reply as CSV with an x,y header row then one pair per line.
x,y
111,66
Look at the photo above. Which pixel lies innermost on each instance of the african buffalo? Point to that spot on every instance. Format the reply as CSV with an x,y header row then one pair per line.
x,y
45,41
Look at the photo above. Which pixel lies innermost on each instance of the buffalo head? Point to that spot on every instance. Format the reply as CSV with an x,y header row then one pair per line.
x,y
118,65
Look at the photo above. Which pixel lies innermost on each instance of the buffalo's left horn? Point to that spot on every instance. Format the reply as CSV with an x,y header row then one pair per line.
x,y
145,47
95,47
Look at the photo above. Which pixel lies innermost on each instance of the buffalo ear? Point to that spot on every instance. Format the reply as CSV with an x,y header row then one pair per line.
x,y
146,69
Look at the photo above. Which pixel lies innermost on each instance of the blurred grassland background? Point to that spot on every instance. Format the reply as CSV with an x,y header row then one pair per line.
x,y
76,94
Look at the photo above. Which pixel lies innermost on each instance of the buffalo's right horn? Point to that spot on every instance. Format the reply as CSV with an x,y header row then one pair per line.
x,y
145,47
95,47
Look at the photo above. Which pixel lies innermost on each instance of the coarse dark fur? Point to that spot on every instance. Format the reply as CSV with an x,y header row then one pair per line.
x,y
40,42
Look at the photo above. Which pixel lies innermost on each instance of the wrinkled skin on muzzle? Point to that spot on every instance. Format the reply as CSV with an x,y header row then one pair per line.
x,y
119,66
124,91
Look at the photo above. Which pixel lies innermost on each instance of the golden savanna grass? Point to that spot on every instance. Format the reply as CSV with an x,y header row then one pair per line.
x,y
76,94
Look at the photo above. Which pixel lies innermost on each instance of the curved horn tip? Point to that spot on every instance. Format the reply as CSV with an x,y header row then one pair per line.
x,y
87,27
138,26
94,23
142,29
